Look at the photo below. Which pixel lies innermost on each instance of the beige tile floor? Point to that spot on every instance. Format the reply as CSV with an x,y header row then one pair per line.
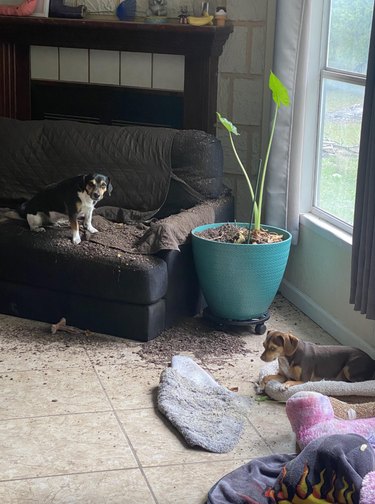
x,y
78,422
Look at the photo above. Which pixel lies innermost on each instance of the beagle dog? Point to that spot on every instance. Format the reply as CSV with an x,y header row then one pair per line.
x,y
301,361
76,197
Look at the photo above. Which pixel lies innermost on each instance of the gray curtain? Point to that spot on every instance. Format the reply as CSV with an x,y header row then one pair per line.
x,y
362,293
282,191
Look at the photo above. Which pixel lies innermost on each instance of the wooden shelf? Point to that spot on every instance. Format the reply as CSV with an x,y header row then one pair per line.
x,y
201,47
110,33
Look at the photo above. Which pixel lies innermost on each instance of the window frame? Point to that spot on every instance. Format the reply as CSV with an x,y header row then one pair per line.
x,y
320,71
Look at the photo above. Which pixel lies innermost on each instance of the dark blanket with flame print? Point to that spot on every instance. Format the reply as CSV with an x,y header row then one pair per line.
x,y
329,470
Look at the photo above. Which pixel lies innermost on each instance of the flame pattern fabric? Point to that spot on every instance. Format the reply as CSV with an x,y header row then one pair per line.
x,y
330,469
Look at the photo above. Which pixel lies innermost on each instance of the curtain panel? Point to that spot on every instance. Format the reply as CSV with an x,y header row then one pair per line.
x,y
285,163
362,292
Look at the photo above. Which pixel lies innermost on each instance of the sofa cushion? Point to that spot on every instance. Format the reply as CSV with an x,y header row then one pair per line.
x,y
50,260
150,168
34,154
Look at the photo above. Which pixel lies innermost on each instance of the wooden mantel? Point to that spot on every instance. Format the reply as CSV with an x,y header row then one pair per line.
x,y
201,47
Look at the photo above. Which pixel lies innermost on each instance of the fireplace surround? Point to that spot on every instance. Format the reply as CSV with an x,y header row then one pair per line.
x,y
200,46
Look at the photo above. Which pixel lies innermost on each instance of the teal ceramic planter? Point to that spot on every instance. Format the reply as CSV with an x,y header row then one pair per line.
x,y
239,281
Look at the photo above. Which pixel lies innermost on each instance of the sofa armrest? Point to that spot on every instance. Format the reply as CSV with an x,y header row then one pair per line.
x,y
173,231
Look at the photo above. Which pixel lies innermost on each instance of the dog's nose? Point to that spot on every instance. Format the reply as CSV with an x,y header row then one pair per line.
x,y
96,195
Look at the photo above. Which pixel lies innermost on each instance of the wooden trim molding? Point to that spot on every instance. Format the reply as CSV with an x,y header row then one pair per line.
x,y
201,47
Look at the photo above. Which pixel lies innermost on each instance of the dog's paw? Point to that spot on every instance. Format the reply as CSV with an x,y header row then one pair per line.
x,y
76,240
61,223
92,230
259,388
290,383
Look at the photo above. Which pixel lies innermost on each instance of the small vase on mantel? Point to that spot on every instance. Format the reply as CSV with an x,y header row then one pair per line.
x,y
199,7
126,10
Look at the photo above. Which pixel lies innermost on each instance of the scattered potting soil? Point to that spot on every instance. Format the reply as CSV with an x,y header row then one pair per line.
x,y
197,337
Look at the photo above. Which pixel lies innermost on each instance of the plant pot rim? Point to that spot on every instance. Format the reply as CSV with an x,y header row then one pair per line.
x,y
198,229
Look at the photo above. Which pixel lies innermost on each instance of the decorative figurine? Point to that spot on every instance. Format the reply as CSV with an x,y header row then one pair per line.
x,y
157,8
183,16
220,16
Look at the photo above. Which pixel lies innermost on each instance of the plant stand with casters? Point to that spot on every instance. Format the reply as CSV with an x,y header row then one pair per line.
x,y
259,322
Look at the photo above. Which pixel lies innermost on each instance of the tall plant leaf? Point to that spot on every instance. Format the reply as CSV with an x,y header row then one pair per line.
x,y
279,92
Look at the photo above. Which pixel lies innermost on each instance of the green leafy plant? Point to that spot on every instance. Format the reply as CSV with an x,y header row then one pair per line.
x,y
280,97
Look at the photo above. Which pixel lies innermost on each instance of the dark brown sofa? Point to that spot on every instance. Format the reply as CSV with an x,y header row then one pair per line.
x,y
136,276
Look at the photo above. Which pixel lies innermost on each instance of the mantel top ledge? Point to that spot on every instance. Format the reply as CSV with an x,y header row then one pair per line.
x,y
107,32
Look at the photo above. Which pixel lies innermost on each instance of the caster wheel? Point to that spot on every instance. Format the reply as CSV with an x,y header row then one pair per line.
x,y
260,328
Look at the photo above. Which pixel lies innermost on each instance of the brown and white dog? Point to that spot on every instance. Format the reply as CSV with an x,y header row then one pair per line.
x,y
75,197
301,361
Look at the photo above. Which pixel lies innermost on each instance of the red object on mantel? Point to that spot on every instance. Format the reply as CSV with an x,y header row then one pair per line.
x,y
201,47
26,8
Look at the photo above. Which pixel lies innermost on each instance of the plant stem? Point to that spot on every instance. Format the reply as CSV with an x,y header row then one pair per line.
x,y
255,197
258,215
255,206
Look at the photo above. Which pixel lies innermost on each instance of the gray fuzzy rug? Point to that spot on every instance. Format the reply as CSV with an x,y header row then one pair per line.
x,y
205,413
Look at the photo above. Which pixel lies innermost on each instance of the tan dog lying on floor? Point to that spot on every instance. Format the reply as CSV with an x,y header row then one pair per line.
x,y
300,361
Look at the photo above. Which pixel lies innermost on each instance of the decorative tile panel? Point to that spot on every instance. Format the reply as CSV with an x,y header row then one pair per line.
x,y
74,64
44,62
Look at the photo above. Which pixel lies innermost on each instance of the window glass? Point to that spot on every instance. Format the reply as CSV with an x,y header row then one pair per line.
x,y
341,106
349,35
341,125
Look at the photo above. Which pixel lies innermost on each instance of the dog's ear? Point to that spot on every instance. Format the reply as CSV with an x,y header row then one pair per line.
x,y
268,337
290,344
82,182
85,179
109,186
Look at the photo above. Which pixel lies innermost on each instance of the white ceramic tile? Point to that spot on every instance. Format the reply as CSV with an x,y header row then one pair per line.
x,y
104,350
158,443
136,69
188,483
271,422
72,456
74,64
104,67
109,487
168,72
44,62
62,444
130,387
51,392
27,344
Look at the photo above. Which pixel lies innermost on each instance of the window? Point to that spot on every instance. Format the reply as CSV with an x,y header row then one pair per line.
x,y
345,40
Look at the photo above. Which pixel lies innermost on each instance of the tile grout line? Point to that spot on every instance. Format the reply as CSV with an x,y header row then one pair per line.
x,y
260,435
73,413
125,435
61,475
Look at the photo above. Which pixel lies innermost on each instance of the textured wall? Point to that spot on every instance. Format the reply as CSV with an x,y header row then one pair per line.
x,y
243,90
